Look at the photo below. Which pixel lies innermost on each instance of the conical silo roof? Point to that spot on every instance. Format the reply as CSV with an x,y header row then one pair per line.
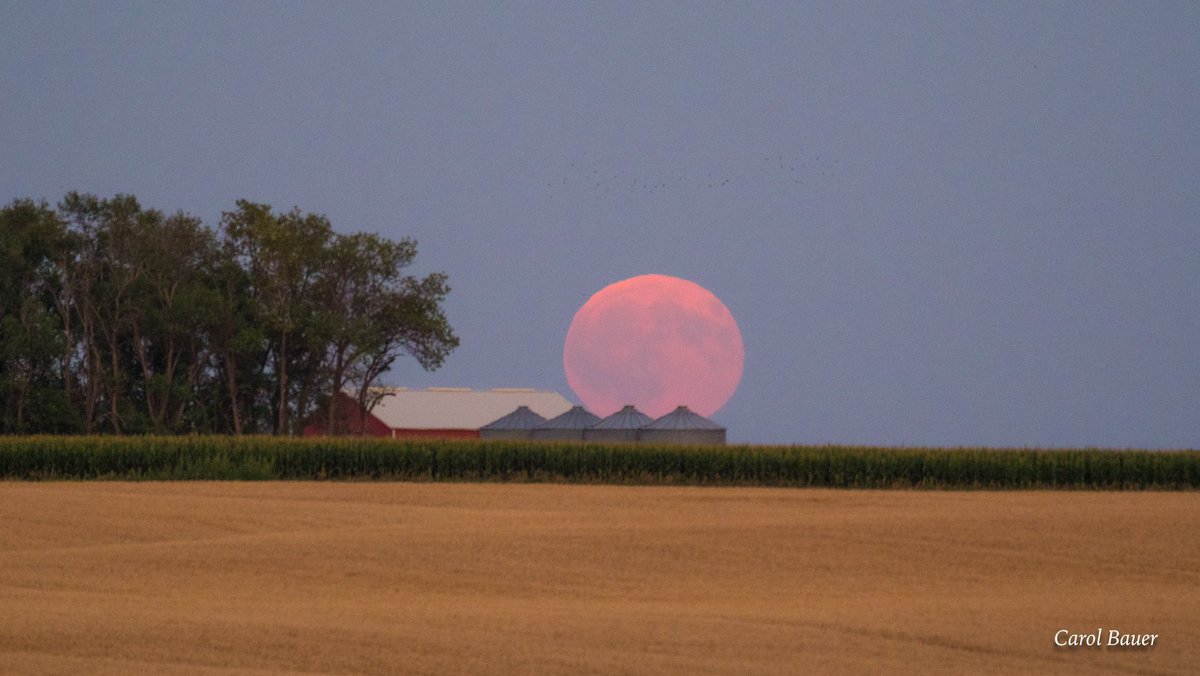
x,y
521,419
578,418
683,419
628,418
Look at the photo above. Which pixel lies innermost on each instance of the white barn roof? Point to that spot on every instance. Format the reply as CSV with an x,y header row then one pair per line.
x,y
461,408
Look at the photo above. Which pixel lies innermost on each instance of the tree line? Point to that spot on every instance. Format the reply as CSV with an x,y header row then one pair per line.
x,y
119,319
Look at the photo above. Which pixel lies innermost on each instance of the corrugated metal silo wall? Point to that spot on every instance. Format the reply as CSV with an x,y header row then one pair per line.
x,y
688,437
516,435
610,436
557,435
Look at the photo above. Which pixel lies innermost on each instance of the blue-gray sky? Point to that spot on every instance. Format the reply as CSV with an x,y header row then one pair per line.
x,y
936,223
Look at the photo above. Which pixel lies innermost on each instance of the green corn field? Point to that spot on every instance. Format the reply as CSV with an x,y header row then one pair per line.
x,y
263,458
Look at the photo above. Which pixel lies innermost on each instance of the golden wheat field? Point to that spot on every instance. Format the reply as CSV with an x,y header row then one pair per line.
x,y
205,578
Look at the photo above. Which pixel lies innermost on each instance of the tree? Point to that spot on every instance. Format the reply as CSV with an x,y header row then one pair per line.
x,y
407,320
32,339
106,270
123,319
350,278
238,342
374,314
283,255
175,300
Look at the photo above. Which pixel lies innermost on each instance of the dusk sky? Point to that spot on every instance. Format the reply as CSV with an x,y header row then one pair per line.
x,y
935,223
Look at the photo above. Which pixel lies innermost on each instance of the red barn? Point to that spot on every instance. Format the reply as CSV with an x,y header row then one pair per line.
x,y
440,412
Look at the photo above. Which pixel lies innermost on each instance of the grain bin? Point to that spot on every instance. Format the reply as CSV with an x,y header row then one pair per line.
x,y
515,425
620,426
568,426
682,426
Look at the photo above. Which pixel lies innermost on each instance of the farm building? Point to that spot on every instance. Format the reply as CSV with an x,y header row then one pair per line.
x,y
568,426
620,426
682,426
515,425
440,412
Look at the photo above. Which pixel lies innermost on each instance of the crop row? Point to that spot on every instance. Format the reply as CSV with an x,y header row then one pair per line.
x,y
223,458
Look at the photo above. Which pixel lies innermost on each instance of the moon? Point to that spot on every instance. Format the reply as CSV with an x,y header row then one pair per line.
x,y
657,342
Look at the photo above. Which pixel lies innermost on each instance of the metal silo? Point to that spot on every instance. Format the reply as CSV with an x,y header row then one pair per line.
x,y
568,426
515,425
620,426
682,426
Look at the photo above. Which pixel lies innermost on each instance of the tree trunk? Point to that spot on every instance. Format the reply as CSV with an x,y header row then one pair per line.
x,y
169,385
68,350
114,389
22,392
281,373
338,381
192,376
234,399
92,367
144,360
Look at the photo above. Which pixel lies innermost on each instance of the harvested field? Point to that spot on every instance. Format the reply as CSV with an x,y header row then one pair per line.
x,y
433,578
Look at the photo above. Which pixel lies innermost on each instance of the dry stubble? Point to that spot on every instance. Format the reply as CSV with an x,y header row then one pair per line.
x,y
435,578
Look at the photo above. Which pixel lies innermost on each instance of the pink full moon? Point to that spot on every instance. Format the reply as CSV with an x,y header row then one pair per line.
x,y
656,342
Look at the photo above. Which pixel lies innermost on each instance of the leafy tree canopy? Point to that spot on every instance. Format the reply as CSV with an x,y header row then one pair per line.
x,y
116,318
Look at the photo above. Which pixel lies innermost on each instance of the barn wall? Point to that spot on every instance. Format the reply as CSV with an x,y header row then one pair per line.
x,y
434,434
348,418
